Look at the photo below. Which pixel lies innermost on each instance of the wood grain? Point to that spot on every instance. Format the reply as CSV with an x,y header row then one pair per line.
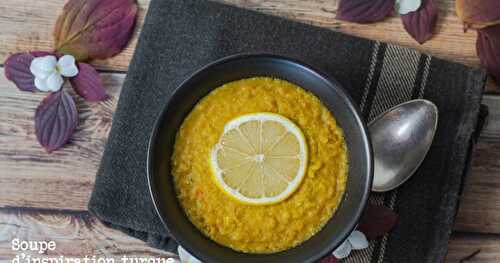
x,y
18,33
462,245
449,42
63,179
76,235
27,25
80,234
480,203
29,177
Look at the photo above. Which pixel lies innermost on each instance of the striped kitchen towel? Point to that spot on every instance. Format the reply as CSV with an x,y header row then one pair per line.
x,y
180,36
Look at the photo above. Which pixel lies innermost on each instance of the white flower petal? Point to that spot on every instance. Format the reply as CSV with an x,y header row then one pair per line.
x,y
54,81
66,60
42,67
69,71
186,257
404,7
183,254
41,84
343,250
358,240
66,66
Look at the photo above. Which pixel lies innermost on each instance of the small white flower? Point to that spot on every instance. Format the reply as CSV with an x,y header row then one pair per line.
x,y
404,7
49,71
356,240
185,257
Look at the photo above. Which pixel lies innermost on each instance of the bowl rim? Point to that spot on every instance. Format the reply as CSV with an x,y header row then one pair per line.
x,y
365,193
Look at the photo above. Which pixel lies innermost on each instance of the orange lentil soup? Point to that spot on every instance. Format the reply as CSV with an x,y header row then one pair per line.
x,y
265,228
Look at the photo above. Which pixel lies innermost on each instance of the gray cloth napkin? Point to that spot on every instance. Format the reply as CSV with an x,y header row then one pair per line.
x,y
179,37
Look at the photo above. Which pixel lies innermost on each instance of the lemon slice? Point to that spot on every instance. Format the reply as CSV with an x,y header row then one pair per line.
x,y
260,158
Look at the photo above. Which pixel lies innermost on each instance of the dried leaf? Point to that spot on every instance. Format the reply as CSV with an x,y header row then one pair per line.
x,y
17,69
421,23
478,13
88,83
364,11
330,259
488,49
55,120
376,221
95,28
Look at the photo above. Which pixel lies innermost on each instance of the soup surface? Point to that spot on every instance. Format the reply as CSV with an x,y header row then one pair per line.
x,y
264,228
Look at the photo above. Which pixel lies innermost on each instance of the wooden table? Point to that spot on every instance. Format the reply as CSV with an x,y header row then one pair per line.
x,y
44,196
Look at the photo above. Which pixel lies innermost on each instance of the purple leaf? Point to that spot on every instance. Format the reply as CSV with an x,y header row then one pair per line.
x,y
364,11
55,120
488,49
421,23
41,53
376,221
88,83
17,69
478,13
95,28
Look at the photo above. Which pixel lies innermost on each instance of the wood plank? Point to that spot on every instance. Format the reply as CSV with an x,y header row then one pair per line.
x,y
450,41
462,245
19,16
80,234
18,33
480,205
27,25
61,180
51,181
76,235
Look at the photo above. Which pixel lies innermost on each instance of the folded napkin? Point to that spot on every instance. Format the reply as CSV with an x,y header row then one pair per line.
x,y
180,36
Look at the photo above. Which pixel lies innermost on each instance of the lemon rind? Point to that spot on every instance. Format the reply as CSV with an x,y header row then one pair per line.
x,y
290,126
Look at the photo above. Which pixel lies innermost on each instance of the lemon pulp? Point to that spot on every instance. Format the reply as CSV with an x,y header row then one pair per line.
x,y
259,228
260,158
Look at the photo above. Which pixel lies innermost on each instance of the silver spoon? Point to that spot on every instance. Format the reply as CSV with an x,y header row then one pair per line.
x,y
401,137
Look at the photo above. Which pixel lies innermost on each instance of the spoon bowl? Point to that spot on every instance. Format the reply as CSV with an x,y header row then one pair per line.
x,y
401,138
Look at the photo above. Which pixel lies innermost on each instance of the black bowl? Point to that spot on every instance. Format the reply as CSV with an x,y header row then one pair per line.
x,y
244,66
